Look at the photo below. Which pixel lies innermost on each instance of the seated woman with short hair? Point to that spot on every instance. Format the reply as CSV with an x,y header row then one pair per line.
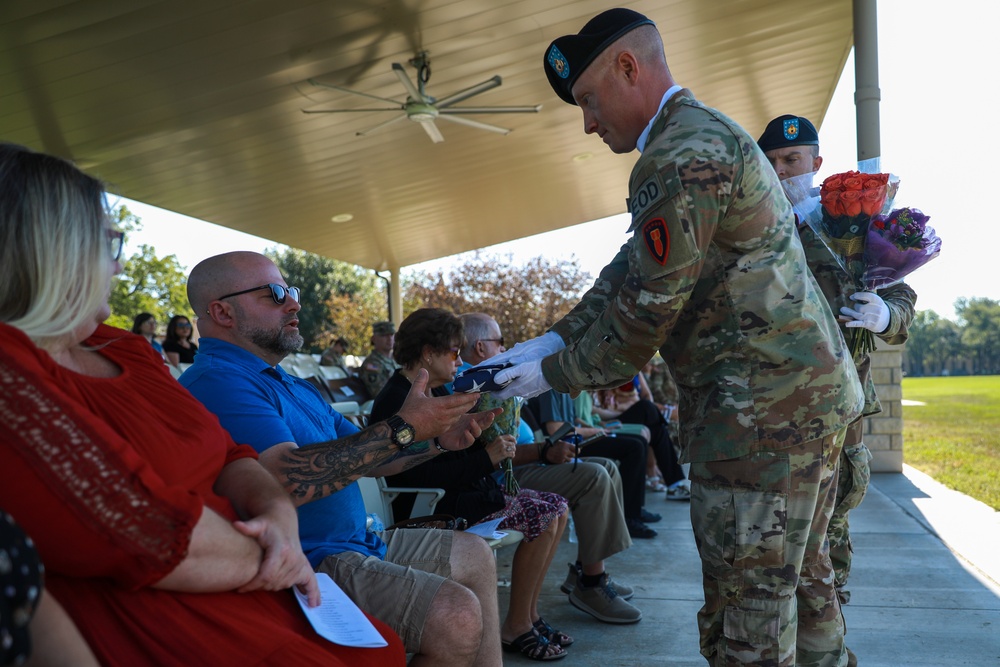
x,y
430,339
165,541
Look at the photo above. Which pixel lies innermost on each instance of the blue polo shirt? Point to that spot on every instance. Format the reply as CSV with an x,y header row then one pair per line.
x,y
262,406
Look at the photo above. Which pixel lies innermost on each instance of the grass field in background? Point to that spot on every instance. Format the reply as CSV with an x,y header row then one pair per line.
x,y
955,437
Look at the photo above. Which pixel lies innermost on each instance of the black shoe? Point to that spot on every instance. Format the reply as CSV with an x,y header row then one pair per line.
x,y
649,517
638,530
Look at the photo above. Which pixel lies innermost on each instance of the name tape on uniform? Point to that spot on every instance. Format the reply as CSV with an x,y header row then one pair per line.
x,y
647,194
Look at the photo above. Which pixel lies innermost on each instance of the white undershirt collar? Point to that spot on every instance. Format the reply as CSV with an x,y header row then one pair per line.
x,y
641,143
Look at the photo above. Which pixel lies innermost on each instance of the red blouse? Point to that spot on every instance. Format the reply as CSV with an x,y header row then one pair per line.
x,y
109,476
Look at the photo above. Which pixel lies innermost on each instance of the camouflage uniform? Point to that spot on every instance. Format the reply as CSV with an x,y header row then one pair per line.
x,y
376,371
661,383
713,278
855,470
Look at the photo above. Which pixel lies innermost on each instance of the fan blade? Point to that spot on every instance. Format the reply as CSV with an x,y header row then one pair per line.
x,y
404,79
475,123
347,110
432,131
534,109
489,84
355,92
365,133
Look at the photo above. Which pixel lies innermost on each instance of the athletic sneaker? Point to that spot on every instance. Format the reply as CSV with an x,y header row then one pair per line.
x,y
624,590
603,603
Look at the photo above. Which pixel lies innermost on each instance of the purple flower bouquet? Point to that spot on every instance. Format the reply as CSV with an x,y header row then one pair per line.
x,y
896,245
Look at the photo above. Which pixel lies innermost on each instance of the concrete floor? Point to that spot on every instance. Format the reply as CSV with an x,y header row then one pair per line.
x,y
925,585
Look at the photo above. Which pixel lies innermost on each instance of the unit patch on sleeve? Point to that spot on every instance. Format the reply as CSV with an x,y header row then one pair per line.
x,y
657,238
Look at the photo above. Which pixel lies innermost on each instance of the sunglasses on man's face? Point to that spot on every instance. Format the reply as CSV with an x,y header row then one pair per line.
x,y
278,292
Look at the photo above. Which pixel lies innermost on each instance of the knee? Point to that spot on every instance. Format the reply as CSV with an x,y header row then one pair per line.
x,y
454,624
472,558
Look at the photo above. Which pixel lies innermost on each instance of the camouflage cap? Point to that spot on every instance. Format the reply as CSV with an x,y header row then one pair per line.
x,y
788,130
568,56
383,328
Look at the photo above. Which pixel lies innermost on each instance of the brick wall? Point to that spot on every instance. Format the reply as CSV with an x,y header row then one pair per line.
x,y
884,431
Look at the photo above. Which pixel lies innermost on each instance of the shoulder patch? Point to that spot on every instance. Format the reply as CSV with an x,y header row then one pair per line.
x,y
657,238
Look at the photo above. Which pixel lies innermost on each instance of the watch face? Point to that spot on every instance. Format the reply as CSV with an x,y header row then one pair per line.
x,y
404,436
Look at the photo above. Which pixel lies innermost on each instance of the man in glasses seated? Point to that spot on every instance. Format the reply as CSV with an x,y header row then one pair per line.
x,y
435,588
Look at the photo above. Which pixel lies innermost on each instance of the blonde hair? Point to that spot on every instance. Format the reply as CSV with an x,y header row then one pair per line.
x,y
53,245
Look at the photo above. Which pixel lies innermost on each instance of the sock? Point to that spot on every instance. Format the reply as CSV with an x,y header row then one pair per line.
x,y
591,580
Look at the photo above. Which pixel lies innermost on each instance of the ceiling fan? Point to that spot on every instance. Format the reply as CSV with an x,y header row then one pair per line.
x,y
421,108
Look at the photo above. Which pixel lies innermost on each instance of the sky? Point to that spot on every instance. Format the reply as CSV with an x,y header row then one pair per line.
x,y
936,67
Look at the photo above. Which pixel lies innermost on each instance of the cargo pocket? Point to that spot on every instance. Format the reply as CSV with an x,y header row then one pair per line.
x,y
858,474
758,628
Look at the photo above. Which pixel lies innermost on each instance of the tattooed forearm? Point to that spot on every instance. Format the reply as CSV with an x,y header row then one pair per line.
x,y
315,471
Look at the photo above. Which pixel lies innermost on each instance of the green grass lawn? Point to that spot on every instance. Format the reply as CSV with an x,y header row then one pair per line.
x,y
955,438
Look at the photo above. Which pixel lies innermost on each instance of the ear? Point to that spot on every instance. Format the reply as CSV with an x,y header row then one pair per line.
x,y
817,162
628,66
220,313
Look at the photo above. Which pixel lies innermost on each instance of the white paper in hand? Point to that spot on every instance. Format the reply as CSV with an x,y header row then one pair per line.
x,y
338,619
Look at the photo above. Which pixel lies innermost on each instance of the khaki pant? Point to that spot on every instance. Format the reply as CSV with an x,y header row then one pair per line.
x,y
760,523
594,492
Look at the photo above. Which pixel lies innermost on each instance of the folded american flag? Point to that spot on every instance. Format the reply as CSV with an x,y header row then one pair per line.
x,y
479,379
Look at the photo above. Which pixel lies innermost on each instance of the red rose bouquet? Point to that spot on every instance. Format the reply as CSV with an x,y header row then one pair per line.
x,y
877,246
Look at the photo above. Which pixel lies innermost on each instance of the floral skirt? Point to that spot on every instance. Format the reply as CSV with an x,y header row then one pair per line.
x,y
530,512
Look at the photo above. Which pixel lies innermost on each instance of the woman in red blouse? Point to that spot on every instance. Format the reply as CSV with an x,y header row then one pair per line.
x,y
165,541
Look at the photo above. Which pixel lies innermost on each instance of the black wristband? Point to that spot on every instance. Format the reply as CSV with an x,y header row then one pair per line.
x,y
437,444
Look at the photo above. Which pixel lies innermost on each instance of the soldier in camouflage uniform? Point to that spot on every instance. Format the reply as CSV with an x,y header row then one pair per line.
x,y
712,278
379,366
791,144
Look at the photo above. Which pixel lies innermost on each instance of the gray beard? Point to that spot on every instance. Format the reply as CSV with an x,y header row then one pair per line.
x,y
278,342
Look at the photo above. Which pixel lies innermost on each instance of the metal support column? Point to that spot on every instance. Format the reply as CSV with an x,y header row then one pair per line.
x,y
866,90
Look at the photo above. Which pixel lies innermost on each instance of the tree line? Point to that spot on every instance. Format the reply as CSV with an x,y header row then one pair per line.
x,y
342,300
970,346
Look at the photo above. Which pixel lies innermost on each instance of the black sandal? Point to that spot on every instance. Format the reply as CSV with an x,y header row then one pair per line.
x,y
554,636
535,647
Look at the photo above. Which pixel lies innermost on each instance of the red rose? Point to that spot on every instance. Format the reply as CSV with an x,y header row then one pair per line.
x,y
854,182
872,200
850,201
831,203
833,183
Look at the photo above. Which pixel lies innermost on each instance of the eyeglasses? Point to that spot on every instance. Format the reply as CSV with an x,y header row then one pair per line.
x,y
278,292
182,325
493,340
116,241
455,352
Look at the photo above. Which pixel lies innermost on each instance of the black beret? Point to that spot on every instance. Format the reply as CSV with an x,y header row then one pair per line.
x,y
567,57
788,130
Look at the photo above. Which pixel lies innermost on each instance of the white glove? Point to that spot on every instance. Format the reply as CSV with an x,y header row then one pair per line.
x,y
872,314
525,380
530,350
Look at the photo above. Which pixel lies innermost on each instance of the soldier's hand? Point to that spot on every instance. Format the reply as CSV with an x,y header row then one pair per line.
x,y
430,416
524,380
529,350
872,314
